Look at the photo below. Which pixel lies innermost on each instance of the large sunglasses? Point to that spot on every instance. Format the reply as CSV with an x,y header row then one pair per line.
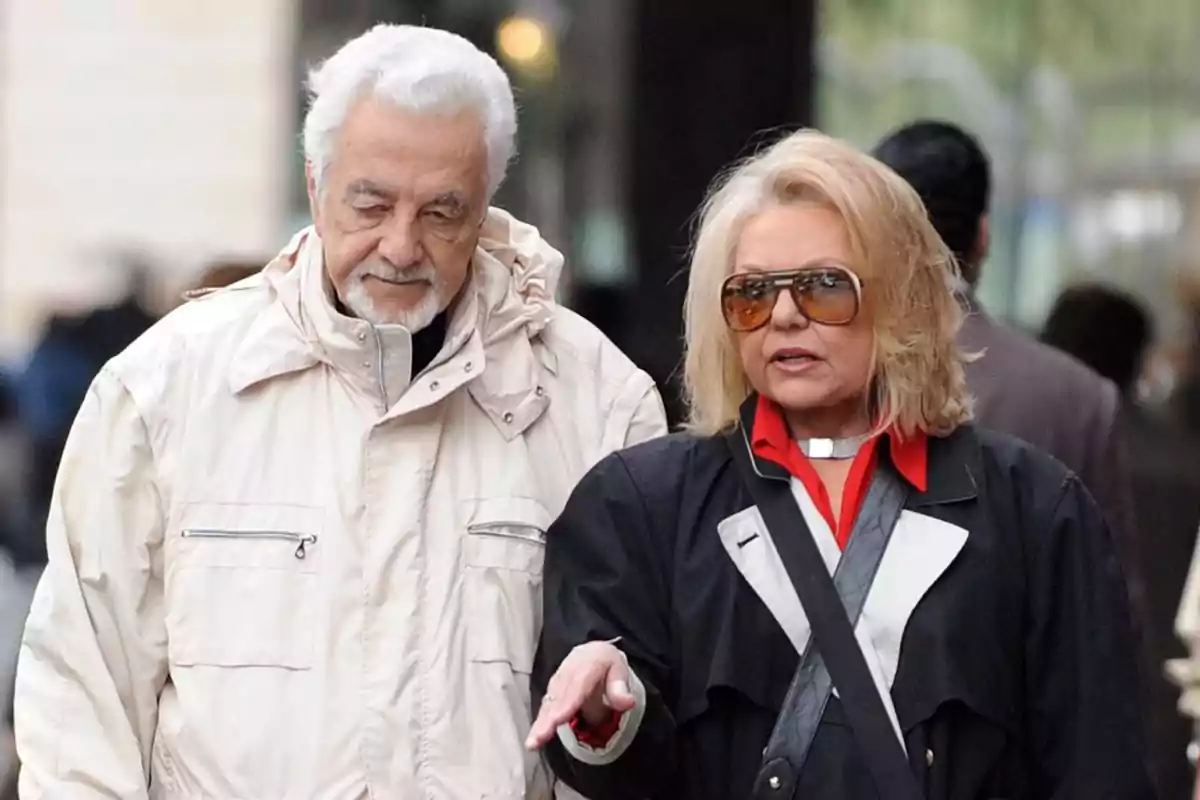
x,y
828,295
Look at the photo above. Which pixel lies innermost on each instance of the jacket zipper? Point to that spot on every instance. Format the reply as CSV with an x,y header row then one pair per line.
x,y
303,540
496,529
379,376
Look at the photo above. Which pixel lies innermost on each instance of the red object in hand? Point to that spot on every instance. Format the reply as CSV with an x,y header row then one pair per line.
x,y
596,736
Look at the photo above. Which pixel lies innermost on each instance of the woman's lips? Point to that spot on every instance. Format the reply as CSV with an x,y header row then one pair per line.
x,y
794,362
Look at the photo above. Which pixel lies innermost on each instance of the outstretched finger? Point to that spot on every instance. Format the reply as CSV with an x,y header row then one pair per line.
x,y
556,710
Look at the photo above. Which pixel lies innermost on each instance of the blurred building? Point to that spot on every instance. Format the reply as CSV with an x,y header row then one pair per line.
x,y
162,126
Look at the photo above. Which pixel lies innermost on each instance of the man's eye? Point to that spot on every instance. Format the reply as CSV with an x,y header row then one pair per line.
x,y
371,211
441,215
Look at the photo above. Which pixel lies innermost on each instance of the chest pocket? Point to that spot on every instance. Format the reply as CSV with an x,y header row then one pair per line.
x,y
504,546
241,584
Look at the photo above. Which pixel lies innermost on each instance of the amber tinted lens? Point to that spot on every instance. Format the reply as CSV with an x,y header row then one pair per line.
x,y
827,296
747,302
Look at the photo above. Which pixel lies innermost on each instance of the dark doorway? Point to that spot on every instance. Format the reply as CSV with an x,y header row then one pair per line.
x,y
712,81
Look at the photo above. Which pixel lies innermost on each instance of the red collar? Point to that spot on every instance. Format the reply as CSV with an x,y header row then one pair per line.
x,y
771,439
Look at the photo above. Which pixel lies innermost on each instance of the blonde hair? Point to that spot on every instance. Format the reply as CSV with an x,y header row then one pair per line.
x,y
907,271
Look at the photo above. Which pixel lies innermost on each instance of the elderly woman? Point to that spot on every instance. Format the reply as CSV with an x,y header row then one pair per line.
x,y
683,655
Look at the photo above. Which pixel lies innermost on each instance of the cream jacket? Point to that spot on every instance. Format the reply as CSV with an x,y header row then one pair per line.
x,y
281,569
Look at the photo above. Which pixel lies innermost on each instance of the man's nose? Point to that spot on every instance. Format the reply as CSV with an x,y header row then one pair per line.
x,y
401,243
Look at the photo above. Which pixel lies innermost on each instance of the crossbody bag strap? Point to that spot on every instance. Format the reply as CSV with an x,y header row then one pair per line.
x,y
833,656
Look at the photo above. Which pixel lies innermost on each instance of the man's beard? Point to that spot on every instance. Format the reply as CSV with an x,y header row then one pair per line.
x,y
419,316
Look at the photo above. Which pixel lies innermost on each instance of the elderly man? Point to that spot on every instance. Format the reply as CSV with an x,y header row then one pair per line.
x,y
296,544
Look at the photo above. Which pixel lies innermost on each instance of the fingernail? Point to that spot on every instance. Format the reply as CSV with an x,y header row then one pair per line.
x,y
619,687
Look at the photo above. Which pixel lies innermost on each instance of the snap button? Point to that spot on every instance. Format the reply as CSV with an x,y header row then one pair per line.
x,y
539,391
929,758
774,782
362,336
433,386
468,366
508,417
367,364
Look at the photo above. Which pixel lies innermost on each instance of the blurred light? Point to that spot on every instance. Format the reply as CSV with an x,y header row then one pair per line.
x,y
522,40
1126,217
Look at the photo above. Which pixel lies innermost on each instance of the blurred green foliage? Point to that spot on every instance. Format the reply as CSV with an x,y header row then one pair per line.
x,y
1132,66
1083,38
1074,98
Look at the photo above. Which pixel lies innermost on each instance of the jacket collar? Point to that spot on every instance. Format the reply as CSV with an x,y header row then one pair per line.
x,y
955,469
492,341
771,439
274,344
952,471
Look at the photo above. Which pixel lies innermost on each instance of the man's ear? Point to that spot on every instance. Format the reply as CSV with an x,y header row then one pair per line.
x,y
979,251
314,197
983,241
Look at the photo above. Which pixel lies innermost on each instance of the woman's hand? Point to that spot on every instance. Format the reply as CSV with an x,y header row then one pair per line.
x,y
592,682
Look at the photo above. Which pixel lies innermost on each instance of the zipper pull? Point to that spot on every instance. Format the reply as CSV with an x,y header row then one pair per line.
x,y
301,552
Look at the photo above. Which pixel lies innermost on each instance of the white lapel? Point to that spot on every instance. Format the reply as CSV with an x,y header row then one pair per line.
x,y
817,526
919,552
753,552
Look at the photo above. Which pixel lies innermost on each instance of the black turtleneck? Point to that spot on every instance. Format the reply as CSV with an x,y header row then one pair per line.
x,y
427,342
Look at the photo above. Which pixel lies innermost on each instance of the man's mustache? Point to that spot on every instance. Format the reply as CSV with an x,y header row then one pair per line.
x,y
420,272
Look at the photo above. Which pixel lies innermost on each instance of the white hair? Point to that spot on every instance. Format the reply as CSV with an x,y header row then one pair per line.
x,y
421,70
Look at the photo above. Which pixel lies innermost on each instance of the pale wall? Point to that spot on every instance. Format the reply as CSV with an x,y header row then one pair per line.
x,y
164,124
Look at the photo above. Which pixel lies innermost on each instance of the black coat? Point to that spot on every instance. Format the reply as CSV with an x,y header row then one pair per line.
x,y
1015,677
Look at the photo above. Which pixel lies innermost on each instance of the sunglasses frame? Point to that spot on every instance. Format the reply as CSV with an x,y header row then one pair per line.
x,y
788,280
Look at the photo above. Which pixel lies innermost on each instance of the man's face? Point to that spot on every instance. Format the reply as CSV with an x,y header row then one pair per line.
x,y
399,211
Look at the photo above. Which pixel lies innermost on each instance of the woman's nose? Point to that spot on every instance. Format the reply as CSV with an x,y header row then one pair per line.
x,y
786,314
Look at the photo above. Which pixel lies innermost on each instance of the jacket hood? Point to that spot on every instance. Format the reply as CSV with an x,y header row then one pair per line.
x,y
509,248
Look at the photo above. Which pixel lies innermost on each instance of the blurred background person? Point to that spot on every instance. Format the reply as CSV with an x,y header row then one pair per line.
x,y
1020,386
43,396
16,582
1111,332
12,465
1183,405
1104,328
69,352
